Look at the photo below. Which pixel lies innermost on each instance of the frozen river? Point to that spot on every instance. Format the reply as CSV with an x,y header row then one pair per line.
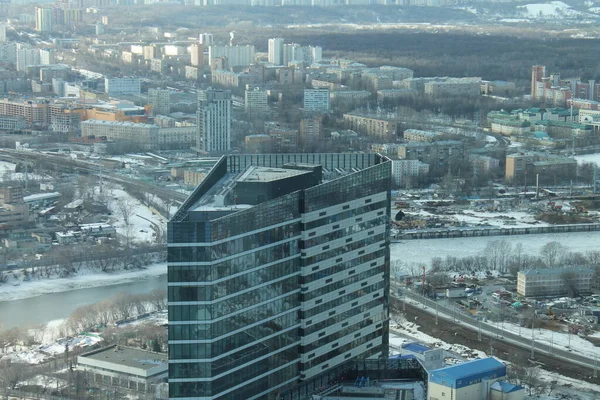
x,y
422,251
47,307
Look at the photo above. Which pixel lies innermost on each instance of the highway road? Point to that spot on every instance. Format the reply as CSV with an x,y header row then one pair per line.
x,y
67,164
458,316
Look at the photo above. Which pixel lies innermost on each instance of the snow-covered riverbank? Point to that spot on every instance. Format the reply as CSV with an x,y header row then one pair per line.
x,y
84,279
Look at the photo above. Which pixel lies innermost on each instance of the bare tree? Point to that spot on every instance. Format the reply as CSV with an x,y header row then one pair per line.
x,y
126,209
570,281
551,253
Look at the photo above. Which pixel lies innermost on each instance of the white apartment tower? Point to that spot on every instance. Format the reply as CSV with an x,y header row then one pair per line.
x,y
276,51
2,33
43,19
25,56
214,120
159,100
206,39
197,55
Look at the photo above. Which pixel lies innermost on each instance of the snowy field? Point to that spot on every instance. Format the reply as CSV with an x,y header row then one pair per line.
x,y
141,221
422,251
553,9
7,173
589,158
86,279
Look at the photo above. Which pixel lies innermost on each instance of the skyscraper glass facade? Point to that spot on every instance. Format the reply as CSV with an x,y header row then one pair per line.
x,y
262,296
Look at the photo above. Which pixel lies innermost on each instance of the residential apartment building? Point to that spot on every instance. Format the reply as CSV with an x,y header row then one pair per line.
x,y
260,144
160,100
311,131
26,56
2,33
524,168
181,137
316,100
417,135
349,95
283,140
120,86
276,51
255,100
214,120
553,89
404,171
34,112
276,275
43,19
144,135
372,125
546,282
437,154
12,123
470,87
485,163
197,55
237,56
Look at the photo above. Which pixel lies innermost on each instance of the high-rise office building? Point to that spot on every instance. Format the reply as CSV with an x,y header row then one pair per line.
x,y
278,272
160,101
214,120
276,51
43,19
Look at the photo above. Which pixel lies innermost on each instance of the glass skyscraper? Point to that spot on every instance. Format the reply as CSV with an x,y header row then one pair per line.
x,y
278,270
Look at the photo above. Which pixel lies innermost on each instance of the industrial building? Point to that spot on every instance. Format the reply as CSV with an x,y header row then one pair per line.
x,y
471,380
129,368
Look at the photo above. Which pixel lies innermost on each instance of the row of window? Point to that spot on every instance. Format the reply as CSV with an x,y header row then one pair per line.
x,y
355,245
343,349
343,266
350,230
339,318
204,312
340,284
218,329
207,273
356,212
213,388
347,298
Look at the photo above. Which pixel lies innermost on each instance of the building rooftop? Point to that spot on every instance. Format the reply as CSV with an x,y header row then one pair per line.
x,y
505,387
264,174
555,271
463,374
415,348
116,123
129,357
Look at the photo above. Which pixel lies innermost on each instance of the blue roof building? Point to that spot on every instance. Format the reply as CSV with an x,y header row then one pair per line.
x,y
506,391
467,381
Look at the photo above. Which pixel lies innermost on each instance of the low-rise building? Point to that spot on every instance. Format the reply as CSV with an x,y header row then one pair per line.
x,y
144,135
524,168
12,123
437,154
372,125
453,87
134,369
563,281
467,381
417,135
404,171
193,178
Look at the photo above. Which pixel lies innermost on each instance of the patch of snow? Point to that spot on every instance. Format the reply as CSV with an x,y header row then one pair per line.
x,y
553,9
589,158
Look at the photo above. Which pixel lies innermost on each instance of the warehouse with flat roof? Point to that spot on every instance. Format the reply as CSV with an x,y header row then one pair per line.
x,y
468,381
130,368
